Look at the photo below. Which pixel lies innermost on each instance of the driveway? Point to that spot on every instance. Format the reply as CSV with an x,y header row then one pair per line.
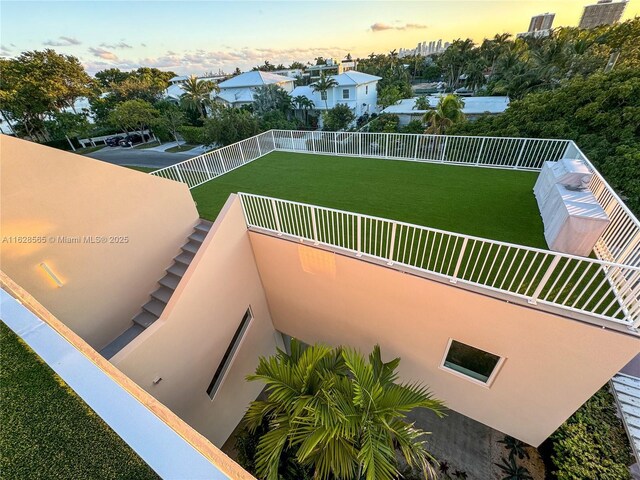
x,y
139,158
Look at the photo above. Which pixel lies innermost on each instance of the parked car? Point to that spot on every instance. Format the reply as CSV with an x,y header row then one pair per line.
x,y
114,141
133,139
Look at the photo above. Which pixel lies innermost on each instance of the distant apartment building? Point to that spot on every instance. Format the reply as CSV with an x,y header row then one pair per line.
x,y
424,48
605,12
539,26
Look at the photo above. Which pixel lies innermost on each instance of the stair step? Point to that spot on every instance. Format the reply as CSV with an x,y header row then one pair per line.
x,y
155,306
177,269
184,257
198,236
163,294
192,246
121,341
144,319
170,281
204,226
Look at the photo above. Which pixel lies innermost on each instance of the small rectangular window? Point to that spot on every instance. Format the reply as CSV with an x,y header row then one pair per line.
x,y
323,95
471,362
366,89
345,94
227,359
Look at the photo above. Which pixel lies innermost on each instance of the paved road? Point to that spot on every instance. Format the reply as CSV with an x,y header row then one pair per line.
x,y
139,158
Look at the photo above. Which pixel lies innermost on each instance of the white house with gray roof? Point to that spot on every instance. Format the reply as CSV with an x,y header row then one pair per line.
x,y
355,89
239,90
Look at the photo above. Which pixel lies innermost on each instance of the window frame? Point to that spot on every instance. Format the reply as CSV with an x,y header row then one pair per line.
x,y
230,354
494,372
324,95
348,97
366,89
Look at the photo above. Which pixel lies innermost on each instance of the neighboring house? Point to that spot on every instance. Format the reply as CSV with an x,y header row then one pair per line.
x,y
473,107
331,67
175,89
355,89
239,90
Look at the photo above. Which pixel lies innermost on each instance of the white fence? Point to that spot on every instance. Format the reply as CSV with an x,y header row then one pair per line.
x,y
597,288
198,170
500,152
619,244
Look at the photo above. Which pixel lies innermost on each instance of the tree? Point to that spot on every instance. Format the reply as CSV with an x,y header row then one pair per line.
x,y
422,103
68,124
171,118
447,112
392,70
37,84
323,85
389,95
197,94
134,115
454,60
271,97
338,118
305,104
339,413
229,125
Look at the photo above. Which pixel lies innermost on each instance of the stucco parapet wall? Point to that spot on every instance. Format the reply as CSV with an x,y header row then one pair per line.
x,y
217,458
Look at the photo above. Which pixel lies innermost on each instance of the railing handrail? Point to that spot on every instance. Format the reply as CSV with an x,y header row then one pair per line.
x,y
597,261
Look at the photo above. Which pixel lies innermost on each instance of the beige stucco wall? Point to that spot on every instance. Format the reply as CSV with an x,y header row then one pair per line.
x,y
185,346
50,193
552,364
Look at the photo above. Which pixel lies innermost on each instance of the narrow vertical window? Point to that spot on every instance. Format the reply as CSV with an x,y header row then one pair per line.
x,y
366,89
345,94
229,355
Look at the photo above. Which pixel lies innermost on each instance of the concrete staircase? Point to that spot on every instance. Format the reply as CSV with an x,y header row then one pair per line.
x,y
152,310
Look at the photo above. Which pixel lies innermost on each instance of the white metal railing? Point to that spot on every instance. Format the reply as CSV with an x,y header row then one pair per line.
x,y
500,152
198,170
597,288
619,244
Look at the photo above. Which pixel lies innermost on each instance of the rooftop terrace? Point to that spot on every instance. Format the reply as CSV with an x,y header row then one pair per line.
x,y
495,204
414,203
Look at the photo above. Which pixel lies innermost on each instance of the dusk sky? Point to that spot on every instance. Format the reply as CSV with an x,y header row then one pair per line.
x,y
197,37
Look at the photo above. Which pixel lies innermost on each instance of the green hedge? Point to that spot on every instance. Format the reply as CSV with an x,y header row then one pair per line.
x,y
592,444
193,135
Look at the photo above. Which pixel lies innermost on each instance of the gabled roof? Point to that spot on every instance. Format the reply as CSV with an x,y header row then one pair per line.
x,y
254,79
236,95
353,77
174,91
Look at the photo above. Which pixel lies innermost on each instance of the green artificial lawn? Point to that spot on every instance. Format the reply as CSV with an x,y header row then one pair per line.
x,y
491,203
48,432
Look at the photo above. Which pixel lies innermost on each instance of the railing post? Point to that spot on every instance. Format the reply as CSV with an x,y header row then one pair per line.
x,y
444,149
276,217
206,167
224,165
314,226
524,144
273,139
415,152
392,244
459,262
313,141
335,142
359,143
359,237
554,263
480,151
386,145
293,147
241,153
258,143
180,175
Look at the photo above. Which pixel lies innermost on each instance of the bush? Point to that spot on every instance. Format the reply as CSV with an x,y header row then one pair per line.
x,y
592,443
193,135
337,118
386,122
414,126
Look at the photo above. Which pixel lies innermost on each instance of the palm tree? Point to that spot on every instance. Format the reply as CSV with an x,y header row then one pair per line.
x,y
447,112
323,85
196,94
303,103
338,413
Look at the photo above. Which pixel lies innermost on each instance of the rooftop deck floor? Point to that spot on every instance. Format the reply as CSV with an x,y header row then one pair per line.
x,y
492,203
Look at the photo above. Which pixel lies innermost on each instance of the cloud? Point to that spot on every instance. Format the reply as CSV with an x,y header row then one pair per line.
x,y
5,51
113,46
199,61
62,42
143,44
381,27
102,53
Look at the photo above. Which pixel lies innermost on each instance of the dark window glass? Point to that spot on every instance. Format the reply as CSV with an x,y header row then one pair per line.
x,y
471,361
225,363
